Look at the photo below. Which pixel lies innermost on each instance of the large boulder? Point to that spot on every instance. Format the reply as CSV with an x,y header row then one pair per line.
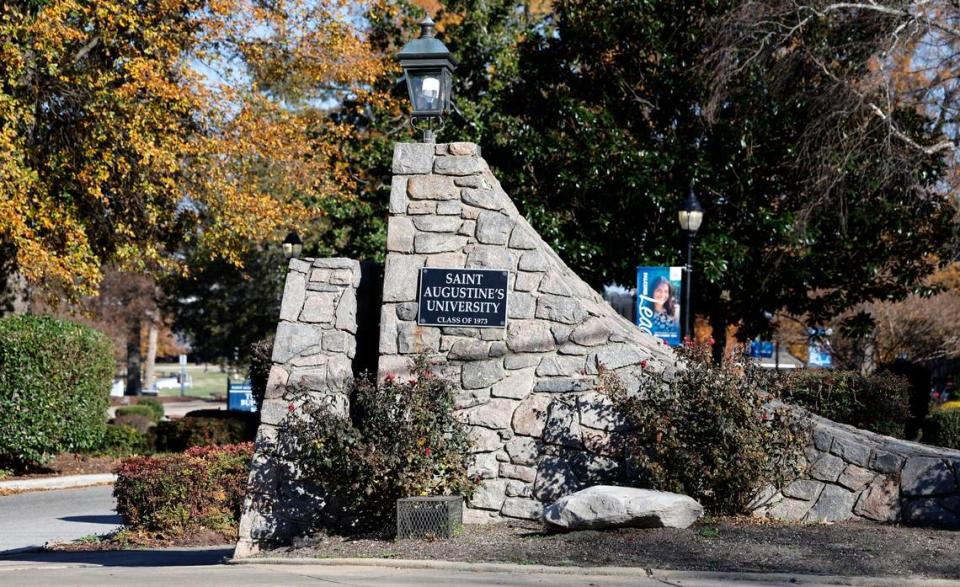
x,y
606,506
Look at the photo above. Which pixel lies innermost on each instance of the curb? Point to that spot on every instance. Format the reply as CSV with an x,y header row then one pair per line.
x,y
65,482
657,574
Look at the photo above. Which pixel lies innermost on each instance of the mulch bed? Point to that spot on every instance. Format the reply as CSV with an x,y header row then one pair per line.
x,y
69,464
127,539
728,544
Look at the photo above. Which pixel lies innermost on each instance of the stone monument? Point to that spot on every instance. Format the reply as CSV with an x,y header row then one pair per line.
x,y
527,371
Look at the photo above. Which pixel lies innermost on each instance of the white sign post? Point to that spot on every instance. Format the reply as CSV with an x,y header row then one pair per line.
x,y
183,375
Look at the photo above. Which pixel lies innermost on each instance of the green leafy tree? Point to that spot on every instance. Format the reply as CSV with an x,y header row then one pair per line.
x,y
223,310
606,112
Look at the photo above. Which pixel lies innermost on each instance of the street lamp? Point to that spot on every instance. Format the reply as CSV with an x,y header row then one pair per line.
x,y
690,216
428,68
292,245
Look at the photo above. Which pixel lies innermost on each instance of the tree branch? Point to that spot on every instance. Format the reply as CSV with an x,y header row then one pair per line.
x,y
86,49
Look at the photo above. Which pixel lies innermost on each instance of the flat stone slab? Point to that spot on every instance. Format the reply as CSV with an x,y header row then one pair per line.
x,y
608,506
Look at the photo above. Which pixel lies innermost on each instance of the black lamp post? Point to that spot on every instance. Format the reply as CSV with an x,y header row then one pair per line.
x,y
428,68
292,245
690,216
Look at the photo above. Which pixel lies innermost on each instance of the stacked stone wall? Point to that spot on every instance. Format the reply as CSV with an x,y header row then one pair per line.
x,y
539,428
854,474
313,354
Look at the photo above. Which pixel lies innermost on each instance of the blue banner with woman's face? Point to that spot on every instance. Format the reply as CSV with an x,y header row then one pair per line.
x,y
658,302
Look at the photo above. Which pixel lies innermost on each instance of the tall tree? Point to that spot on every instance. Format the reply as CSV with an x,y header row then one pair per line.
x,y
223,310
611,111
131,128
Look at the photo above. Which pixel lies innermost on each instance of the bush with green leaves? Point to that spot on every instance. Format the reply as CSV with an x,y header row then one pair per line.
x,y
142,424
206,428
714,432
942,428
122,440
155,406
879,402
170,495
403,441
138,410
55,379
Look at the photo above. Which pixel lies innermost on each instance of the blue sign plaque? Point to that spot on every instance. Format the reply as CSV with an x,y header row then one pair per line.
x,y
475,298
240,397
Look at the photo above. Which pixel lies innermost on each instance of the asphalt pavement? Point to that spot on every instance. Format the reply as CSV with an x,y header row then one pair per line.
x,y
30,520
205,567
242,576
179,409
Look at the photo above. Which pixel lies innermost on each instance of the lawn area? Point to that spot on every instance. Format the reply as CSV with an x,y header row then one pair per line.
x,y
206,381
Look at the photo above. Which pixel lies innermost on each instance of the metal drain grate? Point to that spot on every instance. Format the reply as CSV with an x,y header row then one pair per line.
x,y
422,517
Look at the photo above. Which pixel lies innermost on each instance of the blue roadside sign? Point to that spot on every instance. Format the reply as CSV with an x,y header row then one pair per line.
x,y
240,397
761,349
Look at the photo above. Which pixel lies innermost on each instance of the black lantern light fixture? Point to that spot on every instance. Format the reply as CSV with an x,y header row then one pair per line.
x,y
428,68
691,214
292,245
690,217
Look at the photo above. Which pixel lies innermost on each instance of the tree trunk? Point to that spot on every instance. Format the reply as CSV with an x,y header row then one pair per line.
x,y
14,293
867,352
133,358
149,375
718,326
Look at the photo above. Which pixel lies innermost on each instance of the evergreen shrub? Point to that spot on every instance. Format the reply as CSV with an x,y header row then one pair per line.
x,y
714,432
169,495
122,440
879,402
942,428
206,428
155,406
403,441
143,424
55,379
138,410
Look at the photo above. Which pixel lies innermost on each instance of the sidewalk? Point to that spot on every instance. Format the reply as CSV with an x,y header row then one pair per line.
x,y
178,409
664,576
63,482
166,566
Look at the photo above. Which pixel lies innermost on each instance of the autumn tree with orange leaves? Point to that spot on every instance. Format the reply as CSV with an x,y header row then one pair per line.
x,y
132,129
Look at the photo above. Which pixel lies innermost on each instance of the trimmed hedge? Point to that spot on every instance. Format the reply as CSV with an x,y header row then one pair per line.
x,y
206,428
155,406
879,402
55,379
138,410
942,428
142,423
171,494
122,440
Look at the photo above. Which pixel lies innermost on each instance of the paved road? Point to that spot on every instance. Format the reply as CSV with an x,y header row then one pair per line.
x,y
35,518
147,568
179,409
32,519
160,568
